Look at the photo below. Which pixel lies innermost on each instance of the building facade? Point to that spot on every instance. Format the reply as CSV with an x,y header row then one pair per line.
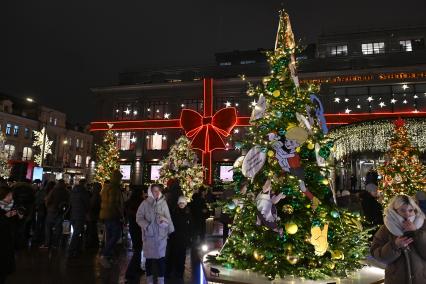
x,y
71,148
367,75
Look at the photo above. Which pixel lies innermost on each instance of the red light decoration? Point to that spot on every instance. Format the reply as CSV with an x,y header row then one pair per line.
x,y
399,122
206,130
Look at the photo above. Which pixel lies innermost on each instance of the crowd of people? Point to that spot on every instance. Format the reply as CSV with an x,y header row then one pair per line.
x,y
161,223
163,226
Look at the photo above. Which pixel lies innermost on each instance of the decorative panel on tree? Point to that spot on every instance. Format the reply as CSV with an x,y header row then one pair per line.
x,y
286,221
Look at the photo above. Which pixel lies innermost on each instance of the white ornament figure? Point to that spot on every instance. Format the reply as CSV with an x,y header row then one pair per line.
x,y
253,162
259,109
266,209
280,154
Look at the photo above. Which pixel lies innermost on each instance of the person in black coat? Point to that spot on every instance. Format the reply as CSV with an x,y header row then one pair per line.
x,y
79,202
179,240
134,270
92,240
8,219
200,213
372,209
23,198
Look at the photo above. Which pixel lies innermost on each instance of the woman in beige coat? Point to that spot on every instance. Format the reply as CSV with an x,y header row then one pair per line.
x,y
401,242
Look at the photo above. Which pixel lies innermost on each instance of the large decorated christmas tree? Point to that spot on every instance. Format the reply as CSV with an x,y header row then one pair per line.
x,y
402,173
181,166
286,221
107,156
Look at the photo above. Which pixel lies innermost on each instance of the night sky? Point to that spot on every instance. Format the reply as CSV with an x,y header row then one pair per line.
x,y
54,51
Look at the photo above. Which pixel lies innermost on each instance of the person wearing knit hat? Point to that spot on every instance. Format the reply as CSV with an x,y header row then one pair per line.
x,y
178,242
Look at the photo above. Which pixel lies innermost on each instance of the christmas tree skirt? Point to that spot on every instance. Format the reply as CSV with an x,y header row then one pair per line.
x,y
367,275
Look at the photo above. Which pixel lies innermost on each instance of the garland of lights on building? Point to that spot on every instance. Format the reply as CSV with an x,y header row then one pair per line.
x,y
373,136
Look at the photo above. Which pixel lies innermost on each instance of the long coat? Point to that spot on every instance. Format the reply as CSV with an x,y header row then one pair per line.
x,y
384,250
154,236
7,259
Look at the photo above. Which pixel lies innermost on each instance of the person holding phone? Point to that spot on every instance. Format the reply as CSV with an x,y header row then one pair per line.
x,y
401,242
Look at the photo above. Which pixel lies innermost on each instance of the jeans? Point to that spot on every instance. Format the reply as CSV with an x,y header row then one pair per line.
x,y
161,262
113,234
77,236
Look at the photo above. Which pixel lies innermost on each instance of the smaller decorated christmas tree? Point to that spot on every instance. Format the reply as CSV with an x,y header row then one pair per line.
x,y
402,173
4,165
181,165
107,156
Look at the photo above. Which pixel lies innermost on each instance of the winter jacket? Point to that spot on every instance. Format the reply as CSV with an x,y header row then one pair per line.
x,y
23,196
7,259
384,249
372,209
154,234
56,198
182,223
95,205
79,202
111,202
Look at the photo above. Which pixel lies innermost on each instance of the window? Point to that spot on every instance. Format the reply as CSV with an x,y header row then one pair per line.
x,y
8,129
81,144
156,142
126,141
338,50
27,153
373,48
78,160
16,130
225,63
405,45
127,110
55,121
247,62
9,150
88,161
27,133
155,110
50,120
77,143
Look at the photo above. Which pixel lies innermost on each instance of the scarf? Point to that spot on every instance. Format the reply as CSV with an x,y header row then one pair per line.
x,y
6,206
393,221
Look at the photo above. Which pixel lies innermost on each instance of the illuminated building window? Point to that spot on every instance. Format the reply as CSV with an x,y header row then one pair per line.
x,y
155,110
125,141
8,129
405,45
126,111
225,63
337,50
27,153
156,141
16,130
243,62
9,150
78,160
27,133
373,48
87,160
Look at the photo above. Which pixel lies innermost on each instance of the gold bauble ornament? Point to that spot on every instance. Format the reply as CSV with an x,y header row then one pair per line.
x,y
276,93
311,146
258,256
330,265
298,149
291,228
288,209
337,254
271,153
288,247
325,181
292,259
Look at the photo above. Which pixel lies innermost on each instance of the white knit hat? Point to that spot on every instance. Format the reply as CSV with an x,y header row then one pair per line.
x,y
182,199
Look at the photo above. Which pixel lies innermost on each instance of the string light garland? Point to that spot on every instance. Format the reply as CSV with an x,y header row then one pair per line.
x,y
4,165
373,136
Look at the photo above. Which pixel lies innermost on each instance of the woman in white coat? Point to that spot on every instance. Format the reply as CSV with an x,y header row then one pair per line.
x,y
153,217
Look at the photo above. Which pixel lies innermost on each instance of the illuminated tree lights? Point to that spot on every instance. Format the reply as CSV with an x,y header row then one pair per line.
x,y
42,141
402,173
107,156
373,136
285,219
181,165
4,165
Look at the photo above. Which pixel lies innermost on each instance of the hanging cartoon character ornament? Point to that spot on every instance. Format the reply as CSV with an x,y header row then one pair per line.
x,y
266,209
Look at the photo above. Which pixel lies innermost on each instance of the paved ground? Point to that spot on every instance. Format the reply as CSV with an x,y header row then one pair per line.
x,y
52,267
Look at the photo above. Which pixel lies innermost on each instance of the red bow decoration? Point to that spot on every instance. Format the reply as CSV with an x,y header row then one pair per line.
x,y
206,132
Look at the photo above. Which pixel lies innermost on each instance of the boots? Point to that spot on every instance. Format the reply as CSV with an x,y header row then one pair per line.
x,y
150,279
160,280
